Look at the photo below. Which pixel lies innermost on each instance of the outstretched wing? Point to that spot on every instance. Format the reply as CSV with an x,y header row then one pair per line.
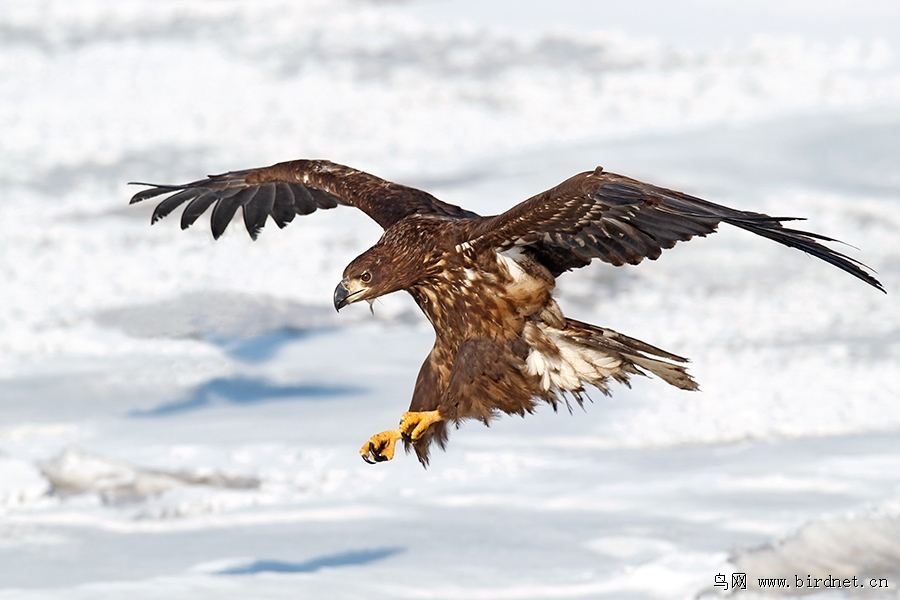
x,y
292,188
620,220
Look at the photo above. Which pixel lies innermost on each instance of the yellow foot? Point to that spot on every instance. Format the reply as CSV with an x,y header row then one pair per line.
x,y
413,425
380,446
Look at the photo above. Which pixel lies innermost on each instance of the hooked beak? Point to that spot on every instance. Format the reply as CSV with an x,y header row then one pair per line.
x,y
341,293
349,291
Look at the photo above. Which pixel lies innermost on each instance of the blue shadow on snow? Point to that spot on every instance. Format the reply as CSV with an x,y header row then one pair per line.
x,y
243,391
261,348
345,559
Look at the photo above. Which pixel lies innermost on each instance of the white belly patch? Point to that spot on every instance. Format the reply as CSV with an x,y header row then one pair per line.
x,y
565,363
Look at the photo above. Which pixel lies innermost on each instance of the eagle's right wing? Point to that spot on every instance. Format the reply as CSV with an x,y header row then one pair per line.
x,y
291,188
621,220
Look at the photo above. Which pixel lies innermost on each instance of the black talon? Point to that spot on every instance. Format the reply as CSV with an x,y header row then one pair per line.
x,y
371,453
377,457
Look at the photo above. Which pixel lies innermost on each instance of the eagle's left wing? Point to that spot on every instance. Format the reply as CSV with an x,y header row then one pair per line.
x,y
621,220
286,189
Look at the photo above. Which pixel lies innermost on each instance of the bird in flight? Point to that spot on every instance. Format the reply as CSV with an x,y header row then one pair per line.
x,y
502,344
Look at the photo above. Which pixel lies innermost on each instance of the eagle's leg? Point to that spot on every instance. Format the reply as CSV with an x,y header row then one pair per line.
x,y
413,426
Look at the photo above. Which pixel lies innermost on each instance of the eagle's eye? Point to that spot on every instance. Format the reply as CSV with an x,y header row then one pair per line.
x,y
366,277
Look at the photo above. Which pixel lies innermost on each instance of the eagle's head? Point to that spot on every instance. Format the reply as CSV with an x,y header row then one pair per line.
x,y
372,274
408,253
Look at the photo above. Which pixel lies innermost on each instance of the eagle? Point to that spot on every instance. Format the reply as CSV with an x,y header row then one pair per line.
x,y
502,344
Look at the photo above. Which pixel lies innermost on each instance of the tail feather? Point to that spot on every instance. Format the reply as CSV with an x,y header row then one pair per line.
x,y
672,374
636,355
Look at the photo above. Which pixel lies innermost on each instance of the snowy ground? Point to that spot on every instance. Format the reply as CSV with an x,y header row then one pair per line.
x,y
181,418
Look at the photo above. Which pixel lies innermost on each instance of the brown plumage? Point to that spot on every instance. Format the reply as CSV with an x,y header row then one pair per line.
x,y
502,345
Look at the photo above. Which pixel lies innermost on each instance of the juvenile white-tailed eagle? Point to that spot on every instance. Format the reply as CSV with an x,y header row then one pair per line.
x,y
501,342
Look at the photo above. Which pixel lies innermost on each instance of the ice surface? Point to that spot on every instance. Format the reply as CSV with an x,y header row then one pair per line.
x,y
180,418
865,547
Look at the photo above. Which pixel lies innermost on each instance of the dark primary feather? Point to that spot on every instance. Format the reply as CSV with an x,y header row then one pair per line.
x,y
622,221
225,209
291,188
256,213
197,207
173,202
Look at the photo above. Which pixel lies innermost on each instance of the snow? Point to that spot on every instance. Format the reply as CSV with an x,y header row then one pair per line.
x,y
180,418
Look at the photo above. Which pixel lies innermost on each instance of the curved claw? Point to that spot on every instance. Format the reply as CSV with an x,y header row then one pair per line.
x,y
380,447
372,455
